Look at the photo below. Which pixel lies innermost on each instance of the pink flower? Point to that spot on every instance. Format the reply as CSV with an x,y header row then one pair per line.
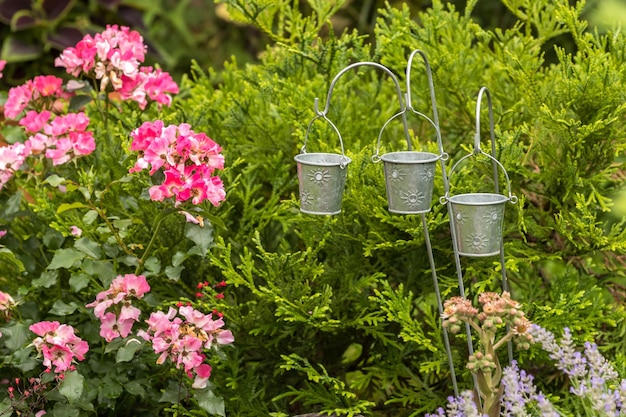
x,y
2,64
11,159
158,84
48,85
2,233
58,344
18,100
34,121
6,301
62,153
203,373
75,231
112,327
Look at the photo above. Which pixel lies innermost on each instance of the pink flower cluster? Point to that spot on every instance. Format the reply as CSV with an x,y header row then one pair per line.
x,y
188,160
59,137
183,340
58,344
114,57
6,304
114,306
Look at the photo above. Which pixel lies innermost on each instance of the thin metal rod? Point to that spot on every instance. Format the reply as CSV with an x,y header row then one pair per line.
x,y
371,64
446,339
485,90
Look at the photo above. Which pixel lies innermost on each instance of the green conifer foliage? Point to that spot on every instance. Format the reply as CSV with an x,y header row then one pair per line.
x,y
338,314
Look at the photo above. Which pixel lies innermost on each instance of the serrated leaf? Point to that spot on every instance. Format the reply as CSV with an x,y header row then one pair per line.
x,y
210,402
88,247
59,308
127,352
16,336
173,272
46,280
79,281
72,386
65,258
201,236
173,392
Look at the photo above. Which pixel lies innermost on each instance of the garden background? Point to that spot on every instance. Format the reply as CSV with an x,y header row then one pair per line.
x,y
329,314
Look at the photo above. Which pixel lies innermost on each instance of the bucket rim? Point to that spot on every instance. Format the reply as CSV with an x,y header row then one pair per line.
x,y
433,157
458,199
342,160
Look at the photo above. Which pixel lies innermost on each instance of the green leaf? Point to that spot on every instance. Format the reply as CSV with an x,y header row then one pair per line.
x,y
210,402
65,258
101,269
59,308
53,239
46,280
88,247
72,386
201,236
173,272
15,336
54,180
8,257
79,281
6,408
152,266
127,352
16,50
64,410
90,217
173,392
65,207
12,206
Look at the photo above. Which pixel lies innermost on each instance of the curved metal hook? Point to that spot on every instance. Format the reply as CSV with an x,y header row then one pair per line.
x,y
371,64
484,90
431,88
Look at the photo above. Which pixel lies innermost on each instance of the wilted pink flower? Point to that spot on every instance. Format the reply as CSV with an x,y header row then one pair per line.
x,y
75,231
6,301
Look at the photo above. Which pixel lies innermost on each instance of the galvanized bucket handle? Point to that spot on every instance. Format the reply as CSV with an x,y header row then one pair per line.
x,y
344,160
478,151
393,77
376,157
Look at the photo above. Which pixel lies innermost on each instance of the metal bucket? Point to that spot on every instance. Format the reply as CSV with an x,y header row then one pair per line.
x,y
409,178
478,220
322,177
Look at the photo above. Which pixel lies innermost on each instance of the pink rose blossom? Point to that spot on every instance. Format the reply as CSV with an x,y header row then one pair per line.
x,y
58,344
113,307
